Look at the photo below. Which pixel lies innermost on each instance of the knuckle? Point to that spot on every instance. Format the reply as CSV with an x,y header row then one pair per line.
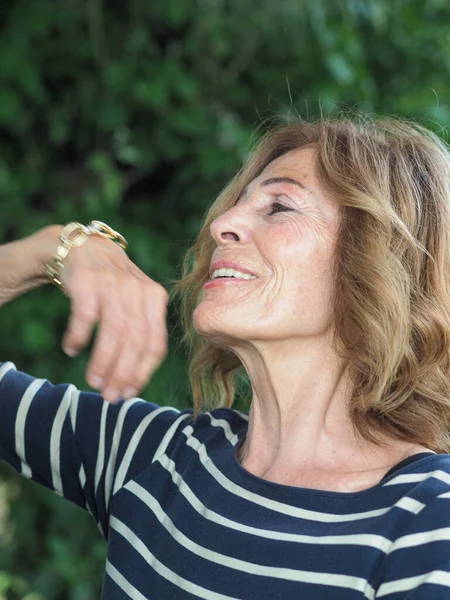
x,y
135,340
116,383
85,312
136,334
120,381
124,372
139,325
74,338
114,376
95,377
97,366
160,291
72,345
115,327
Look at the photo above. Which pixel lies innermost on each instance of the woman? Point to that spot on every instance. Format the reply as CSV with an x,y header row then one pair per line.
x,y
323,269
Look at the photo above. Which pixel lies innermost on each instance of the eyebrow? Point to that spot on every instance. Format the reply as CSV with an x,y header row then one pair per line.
x,y
272,180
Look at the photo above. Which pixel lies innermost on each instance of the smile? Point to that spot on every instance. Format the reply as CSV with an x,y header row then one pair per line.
x,y
231,273
228,277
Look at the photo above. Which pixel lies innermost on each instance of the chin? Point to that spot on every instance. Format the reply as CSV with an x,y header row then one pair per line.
x,y
217,328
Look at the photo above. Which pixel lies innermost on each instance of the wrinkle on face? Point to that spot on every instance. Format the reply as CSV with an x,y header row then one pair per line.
x,y
291,251
281,326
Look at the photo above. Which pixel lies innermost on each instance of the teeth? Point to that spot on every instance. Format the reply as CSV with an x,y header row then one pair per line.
x,y
231,273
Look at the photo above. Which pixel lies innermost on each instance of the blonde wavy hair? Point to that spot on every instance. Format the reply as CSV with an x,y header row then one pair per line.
x,y
391,179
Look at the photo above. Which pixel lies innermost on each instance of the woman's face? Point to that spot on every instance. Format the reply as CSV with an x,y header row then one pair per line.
x,y
282,230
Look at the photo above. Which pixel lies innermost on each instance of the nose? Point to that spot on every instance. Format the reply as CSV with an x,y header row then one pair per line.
x,y
231,226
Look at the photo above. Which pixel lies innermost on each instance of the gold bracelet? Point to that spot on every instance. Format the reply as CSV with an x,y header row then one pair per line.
x,y
81,233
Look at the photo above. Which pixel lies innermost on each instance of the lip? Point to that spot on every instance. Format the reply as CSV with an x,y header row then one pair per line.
x,y
225,281
225,264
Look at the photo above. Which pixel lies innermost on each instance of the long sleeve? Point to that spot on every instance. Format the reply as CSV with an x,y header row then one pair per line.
x,y
75,443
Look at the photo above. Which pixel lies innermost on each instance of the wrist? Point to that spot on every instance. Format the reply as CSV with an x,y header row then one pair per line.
x,y
41,248
72,236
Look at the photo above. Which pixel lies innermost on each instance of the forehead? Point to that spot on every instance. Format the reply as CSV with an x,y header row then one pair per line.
x,y
299,163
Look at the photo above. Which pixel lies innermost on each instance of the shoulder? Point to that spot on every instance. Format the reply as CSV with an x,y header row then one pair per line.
x,y
431,475
418,552
221,423
423,492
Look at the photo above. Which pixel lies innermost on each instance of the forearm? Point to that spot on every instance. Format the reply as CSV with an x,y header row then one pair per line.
x,y
22,262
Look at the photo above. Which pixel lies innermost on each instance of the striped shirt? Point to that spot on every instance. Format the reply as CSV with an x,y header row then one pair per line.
x,y
183,519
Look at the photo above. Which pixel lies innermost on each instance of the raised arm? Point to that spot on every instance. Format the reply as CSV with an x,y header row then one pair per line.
x,y
65,439
107,288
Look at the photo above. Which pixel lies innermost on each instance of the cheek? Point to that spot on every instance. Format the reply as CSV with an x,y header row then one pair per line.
x,y
288,250
301,267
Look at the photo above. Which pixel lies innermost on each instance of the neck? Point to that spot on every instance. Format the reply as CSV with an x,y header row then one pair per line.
x,y
299,417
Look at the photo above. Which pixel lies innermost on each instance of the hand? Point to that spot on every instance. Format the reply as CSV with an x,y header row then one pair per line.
x,y
106,287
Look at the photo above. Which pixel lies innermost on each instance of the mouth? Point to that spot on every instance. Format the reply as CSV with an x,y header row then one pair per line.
x,y
225,272
226,269
231,274
221,275
217,281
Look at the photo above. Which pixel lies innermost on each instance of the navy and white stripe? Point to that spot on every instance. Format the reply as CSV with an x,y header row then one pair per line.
x,y
183,519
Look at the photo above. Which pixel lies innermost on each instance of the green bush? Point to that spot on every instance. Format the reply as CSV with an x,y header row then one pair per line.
x,y
137,113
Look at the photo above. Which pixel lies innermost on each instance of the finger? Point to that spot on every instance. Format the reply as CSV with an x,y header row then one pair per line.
x,y
111,333
84,314
156,342
122,372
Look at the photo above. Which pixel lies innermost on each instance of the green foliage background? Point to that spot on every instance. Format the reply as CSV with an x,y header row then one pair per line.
x,y
137,113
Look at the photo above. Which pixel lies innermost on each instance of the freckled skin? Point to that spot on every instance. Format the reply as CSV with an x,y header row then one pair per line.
x,y
280,325
289,251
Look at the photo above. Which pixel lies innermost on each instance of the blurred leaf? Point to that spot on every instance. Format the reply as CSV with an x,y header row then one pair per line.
x,y
37,336
10,106
137,113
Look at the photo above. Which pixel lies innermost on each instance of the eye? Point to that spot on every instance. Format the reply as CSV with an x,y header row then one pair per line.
x,y
277,207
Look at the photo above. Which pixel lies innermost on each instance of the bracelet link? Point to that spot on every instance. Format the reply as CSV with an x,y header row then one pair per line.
x,y
105,230
81,234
